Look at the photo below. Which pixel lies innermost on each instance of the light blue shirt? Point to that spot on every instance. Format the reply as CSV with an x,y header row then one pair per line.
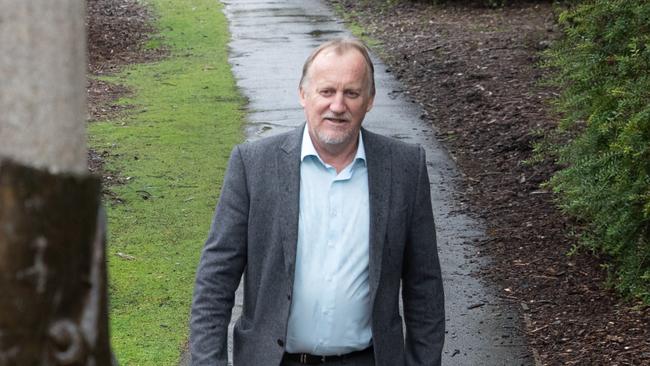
x,y
330,311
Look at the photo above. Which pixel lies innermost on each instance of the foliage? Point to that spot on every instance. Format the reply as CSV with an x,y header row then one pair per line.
x,y
603,66
172,150
486,3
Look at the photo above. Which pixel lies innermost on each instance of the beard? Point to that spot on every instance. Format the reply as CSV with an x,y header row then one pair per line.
x,y
335,136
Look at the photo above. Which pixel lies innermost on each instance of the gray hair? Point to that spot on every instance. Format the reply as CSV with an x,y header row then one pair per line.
x,y
340,46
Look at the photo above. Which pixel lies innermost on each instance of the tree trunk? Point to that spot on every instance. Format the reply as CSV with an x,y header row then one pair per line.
x,y
53,301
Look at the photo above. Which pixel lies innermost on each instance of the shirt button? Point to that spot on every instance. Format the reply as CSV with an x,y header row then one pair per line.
x,y
280,343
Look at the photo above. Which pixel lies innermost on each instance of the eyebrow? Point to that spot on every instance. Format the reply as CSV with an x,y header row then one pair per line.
x,y
329,86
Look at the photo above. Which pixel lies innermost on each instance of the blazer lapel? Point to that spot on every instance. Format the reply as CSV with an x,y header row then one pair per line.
x,y
379,181
288,168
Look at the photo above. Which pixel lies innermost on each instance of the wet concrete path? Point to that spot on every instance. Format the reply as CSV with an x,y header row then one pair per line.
x,y
270,41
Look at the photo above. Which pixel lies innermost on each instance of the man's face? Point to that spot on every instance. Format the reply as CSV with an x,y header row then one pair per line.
x,y
336,97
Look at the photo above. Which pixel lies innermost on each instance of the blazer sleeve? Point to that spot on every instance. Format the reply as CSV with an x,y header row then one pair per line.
x,y
222,262
422,291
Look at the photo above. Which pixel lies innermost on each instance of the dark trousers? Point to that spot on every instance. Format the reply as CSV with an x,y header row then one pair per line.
x,y
365,359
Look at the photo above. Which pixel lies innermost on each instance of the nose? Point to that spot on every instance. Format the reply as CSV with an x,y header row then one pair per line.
x,y
338,103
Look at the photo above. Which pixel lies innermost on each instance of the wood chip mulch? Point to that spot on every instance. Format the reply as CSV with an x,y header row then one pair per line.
x,y
475,73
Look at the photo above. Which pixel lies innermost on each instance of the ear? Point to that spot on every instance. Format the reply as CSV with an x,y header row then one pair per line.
x,y
303,96
371,102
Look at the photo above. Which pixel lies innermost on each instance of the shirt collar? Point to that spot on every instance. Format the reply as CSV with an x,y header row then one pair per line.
x,y
308,148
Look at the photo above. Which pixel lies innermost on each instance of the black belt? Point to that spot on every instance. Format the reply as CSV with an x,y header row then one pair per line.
x,y
308,359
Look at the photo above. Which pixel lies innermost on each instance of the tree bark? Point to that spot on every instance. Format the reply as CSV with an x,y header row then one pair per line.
x,y
53,305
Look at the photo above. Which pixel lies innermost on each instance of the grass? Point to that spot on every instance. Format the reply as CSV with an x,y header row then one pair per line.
x,y
172,149
358,30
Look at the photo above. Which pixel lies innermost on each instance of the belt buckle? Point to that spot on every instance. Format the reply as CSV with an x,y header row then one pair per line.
x,y
304,358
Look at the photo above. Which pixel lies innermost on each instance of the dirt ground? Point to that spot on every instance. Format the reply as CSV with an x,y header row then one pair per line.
x,y
117,30
475,73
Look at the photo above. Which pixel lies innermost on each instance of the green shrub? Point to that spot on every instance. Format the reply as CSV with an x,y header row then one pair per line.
x,y
485,3
603,65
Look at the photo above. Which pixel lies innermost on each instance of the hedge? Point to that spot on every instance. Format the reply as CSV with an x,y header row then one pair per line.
x,y
602,64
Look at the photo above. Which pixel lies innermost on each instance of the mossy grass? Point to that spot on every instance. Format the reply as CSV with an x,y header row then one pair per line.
x,y
358,30
171,149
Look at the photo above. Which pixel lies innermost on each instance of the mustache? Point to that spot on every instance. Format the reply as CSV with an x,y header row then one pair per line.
x,y
346,116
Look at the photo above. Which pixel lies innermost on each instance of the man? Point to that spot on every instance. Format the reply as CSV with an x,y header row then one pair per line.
x,y
325,222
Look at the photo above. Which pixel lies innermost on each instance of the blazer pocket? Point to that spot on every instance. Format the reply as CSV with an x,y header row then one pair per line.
x,y
241,336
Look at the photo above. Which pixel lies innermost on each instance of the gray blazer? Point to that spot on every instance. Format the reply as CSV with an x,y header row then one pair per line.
x,y
255,231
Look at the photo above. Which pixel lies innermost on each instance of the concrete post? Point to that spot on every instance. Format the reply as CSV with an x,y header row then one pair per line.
x,y
53,293
42,83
